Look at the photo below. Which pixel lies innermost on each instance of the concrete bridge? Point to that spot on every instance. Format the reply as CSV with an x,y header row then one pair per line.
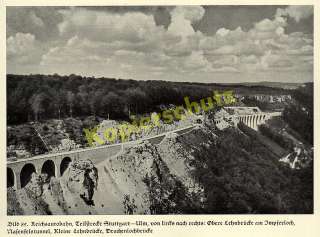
x,y
253,121
250,116
19,171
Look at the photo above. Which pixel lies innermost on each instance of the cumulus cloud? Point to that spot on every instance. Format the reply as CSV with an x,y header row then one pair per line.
x,y
267,29
132,44
127,35
22,49
20,44
226,60
76,52
132,27
260,47
304,50
250,59
23,53
270,60
182,17
295,12
38,21
196,61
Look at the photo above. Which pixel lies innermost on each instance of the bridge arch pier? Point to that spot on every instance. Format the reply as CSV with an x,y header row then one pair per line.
x,y
57,164
38,167
17,181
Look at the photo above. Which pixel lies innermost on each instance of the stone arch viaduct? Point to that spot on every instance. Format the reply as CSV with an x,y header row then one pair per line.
x,y
19,172
254,120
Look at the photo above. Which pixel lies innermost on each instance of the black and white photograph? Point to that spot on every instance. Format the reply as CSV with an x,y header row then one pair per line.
x,y
159,110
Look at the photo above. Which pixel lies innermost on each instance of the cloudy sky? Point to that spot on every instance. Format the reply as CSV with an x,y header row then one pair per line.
x,y
183,43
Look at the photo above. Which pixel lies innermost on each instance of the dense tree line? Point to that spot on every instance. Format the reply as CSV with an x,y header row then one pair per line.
x,y
40,97
299,115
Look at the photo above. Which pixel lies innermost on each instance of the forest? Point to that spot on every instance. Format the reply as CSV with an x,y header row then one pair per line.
x,y
41,97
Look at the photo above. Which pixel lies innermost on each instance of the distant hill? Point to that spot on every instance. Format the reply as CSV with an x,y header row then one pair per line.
x,y
282,85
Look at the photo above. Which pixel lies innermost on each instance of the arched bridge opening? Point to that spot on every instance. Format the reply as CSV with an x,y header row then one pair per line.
x,y
48,168
10,178
25,174
64,164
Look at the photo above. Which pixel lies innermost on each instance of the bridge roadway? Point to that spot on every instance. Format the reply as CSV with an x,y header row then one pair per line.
x,y
19,171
